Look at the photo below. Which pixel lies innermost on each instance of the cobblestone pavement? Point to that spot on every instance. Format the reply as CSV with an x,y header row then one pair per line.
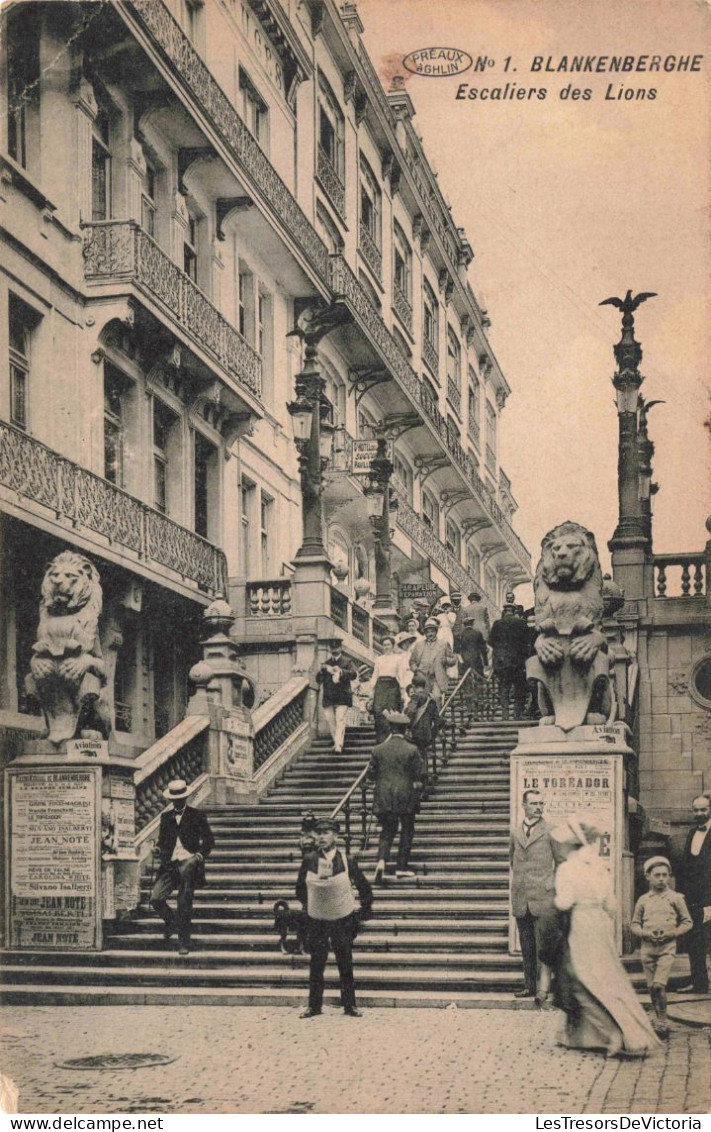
x,y
262,1060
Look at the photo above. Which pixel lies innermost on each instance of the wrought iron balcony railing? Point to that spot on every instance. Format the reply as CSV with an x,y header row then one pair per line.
x,y
474,433
402,307
330,178
370,251
491,460
72,492
212,101
120,250
454,396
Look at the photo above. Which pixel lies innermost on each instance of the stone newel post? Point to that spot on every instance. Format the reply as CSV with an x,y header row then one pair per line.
x,y
225,693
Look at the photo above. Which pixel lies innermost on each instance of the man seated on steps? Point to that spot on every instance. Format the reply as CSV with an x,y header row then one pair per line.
x,y
324,887
396,767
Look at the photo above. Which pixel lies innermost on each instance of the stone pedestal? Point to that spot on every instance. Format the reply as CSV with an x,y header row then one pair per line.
x,y
581,772
69,845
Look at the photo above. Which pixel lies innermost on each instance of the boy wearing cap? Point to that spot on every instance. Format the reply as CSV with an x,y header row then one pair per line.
x,y
324,887
660,917
185,841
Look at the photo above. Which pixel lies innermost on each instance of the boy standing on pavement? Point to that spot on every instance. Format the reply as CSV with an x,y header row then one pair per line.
x,y
660,917
324,889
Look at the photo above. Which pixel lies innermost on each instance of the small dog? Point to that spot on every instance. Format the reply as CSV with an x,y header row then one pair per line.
x,y
290,923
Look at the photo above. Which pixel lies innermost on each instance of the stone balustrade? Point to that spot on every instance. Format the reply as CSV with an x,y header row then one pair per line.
x,y
269,598
120,251
91,503
684,573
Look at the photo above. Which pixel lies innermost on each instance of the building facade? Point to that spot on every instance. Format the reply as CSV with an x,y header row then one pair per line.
x,y
184,187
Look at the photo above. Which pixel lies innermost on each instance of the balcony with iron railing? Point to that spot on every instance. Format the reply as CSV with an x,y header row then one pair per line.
x,y
207,96
120,251
331,180
106,515
370,251
402,307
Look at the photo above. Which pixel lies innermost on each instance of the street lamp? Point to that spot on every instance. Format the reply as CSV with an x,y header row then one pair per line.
x,y
380,504
313,434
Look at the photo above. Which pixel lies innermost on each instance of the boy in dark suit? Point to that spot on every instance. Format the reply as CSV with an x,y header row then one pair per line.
x,y
185,841
695,882
324,887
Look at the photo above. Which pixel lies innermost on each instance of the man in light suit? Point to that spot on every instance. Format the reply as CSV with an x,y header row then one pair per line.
x,y
432,657
694,882
532,885
185,841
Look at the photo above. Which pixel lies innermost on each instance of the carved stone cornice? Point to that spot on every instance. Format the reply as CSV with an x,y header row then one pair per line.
x,y
294,60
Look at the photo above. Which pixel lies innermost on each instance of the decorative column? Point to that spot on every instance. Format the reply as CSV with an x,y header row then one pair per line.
x,y
631,541
380,504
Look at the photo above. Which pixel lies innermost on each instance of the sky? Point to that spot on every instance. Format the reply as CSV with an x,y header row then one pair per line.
x,y
566,203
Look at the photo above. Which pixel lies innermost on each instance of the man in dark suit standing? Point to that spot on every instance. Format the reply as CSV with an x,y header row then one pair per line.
x,y
335,676
185,841
396,767
532,885
325,888
509,642
695,884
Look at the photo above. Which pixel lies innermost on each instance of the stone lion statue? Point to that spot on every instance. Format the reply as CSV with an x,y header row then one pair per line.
x,y
67,674
571,664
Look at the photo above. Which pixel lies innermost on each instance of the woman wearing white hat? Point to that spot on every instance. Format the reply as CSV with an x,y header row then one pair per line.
x,y
604,1013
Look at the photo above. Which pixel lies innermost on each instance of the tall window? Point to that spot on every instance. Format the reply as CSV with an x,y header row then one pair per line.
x,y
248,493
430,317
114,389
370,203
490,437
22,38
402,263
402,476
204,464
474,406
254,110
163,421
190,249
454,359
148,201
22,322
331,128
430,511
453,539
327,230
101,165
266,512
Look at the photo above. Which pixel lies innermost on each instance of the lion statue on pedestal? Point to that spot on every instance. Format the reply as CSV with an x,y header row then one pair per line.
x,y
67,673
571,665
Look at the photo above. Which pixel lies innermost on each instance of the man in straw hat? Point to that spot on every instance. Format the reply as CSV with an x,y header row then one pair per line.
x,y
325,889
185,841
396,767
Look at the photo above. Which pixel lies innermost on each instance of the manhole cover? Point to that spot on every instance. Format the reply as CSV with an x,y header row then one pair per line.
x,y
116,1061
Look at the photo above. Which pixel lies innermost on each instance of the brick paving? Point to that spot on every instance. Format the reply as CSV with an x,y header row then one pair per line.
x,y
266,1060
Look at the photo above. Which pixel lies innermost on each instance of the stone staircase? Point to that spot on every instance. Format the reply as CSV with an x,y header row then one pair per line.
x,y
437,938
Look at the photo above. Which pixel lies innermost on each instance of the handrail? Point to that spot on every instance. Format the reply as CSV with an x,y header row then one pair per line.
x,y
349,792
345,805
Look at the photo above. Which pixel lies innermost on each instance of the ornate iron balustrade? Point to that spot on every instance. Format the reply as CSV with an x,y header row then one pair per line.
x,y
402,307
370,251
188,763
454,396
360,621
331,181
212,100
120,249
278,729
474,433
42,475
490,459
345,284
683,582
428,542
339,609
430,356
269,599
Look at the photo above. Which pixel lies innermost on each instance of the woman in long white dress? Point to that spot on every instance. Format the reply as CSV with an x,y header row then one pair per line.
x,y
447,618
604,1012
